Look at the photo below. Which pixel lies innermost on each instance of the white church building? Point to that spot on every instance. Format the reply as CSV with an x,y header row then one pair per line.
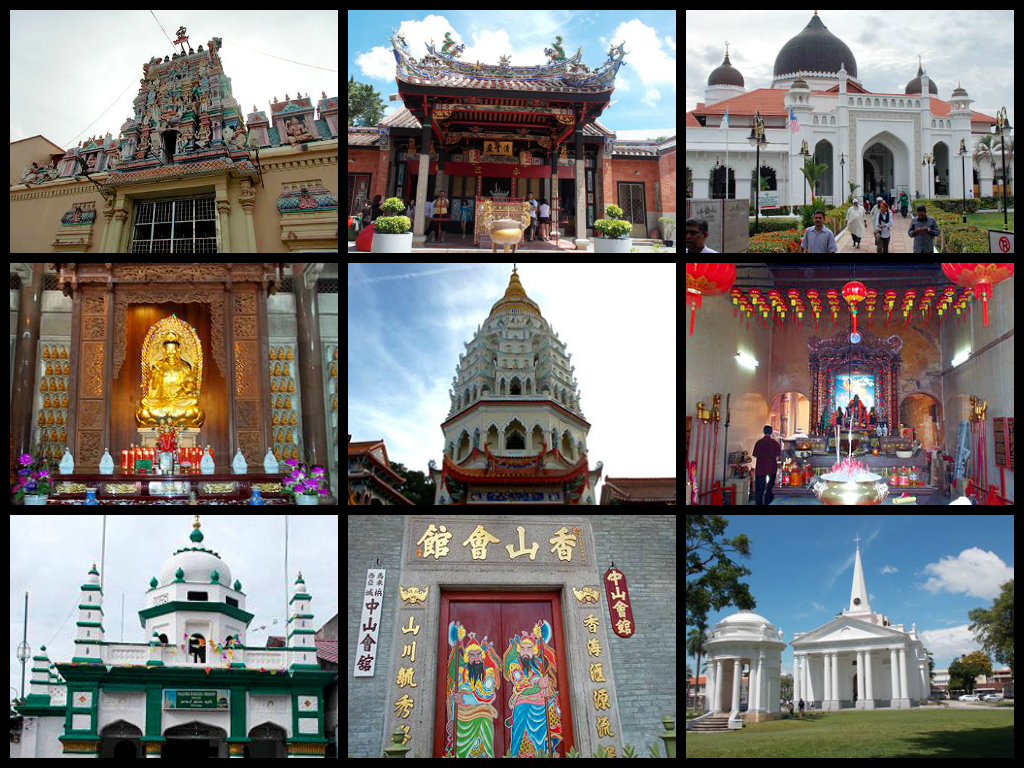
x,y
882,142
194,688
860,659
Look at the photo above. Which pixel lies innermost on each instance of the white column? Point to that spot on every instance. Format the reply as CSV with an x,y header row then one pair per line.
x,y
894,661
861,684
809,687
709,686
719,684
797,680
904,691
737,681
869,674
762,680
835,676
828,677
926,688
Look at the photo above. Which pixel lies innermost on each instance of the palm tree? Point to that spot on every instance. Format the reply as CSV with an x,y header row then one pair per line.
x,y
695,639
813,172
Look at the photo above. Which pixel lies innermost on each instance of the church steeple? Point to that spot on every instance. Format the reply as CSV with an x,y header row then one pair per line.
x,y
859,593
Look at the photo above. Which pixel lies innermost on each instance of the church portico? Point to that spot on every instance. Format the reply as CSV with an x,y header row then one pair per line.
x,y
744,648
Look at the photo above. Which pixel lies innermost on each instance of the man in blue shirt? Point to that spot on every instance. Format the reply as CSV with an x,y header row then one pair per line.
x,y
819,238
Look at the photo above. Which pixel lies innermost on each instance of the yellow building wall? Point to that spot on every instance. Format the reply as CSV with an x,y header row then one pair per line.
x,y
248,220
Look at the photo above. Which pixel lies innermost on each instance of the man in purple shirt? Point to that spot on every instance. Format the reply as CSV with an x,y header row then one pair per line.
x,y
767,452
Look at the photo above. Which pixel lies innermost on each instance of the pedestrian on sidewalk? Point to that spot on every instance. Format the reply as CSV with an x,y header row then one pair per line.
x,y
924,229
883,228
855,222
819,238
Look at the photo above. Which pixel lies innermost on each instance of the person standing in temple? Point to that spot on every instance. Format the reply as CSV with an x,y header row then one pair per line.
x,y
767,452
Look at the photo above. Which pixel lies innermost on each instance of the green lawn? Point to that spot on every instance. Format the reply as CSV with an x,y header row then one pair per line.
x,y
965,734
986,221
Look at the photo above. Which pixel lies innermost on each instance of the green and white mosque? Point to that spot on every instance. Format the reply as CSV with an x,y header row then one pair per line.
x,y
195,689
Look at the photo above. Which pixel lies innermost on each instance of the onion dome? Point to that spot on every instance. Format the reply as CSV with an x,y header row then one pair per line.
x,y
815,49
914,86
195,563
726,74
959,90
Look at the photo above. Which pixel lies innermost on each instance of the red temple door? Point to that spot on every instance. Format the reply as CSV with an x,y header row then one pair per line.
x,y
499,618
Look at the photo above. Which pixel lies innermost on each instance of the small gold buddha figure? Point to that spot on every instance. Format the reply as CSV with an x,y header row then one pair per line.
x,y
172,393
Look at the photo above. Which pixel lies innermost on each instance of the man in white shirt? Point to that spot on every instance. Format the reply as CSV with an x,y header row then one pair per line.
x,y
696,234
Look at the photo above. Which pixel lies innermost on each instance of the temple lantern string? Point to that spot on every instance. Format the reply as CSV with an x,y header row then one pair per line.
x,y
854,292
707,279
980,278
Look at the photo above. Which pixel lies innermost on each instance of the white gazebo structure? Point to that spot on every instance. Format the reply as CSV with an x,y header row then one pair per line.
x,y
744,654
859,659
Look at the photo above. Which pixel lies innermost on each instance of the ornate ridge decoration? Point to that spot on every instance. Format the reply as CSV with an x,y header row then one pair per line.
x,y
562,72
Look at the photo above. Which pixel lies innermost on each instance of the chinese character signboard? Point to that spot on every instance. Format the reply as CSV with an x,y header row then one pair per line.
x,y
618,603
369,625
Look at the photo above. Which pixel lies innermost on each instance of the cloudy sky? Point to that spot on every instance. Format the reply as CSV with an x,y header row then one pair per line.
x,y
407,325
974,45
72,67
51,555
645,87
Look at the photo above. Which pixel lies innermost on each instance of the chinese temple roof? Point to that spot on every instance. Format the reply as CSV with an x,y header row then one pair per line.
x,y
444,68
639,491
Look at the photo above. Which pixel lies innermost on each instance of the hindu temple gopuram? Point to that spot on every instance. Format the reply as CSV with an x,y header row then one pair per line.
x,y
495,132
191,171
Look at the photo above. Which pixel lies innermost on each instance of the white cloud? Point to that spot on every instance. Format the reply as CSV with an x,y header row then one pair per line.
x,y
670,42
887,569
646,53
379,61
949,643
973,572
652,97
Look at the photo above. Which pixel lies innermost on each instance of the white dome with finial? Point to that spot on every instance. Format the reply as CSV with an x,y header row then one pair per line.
x,y
196,563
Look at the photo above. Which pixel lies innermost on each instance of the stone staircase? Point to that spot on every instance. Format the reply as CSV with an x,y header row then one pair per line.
x,y
714,724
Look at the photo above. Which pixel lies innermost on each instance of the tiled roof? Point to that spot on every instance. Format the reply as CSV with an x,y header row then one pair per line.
x,y
403,118
327,650
244,168
363,137
639,490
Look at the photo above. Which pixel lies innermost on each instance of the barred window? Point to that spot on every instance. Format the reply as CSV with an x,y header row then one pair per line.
x,y
184,225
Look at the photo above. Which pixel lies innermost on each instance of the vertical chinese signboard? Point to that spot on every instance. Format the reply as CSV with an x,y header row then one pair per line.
x,y
619,607
369,625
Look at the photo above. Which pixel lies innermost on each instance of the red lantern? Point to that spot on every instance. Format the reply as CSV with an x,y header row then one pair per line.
x,y
707,279
854,292
982,277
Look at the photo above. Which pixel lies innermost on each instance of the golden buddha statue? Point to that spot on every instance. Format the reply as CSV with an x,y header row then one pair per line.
x,y
172,392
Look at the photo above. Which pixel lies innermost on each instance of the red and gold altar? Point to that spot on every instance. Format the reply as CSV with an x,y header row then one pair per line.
x,y
173,384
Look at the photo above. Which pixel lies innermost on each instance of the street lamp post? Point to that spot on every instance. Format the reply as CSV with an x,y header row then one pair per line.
x,y
842,175
1002,129
805,154
757,140
963,176
927,162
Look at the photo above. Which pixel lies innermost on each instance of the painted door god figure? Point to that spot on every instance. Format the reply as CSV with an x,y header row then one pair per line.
x,y
472,688
530,666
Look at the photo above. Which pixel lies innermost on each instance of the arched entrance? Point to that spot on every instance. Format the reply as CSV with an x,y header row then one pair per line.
x,y
195,740
940,170
823,155
769,181
790,414
268,740
923,412
718,183
121,739
885,164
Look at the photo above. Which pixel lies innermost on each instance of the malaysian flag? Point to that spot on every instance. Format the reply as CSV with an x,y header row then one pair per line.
x,y
794,124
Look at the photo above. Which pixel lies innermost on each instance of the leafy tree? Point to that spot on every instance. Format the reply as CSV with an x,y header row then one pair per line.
x,y
365,106
963,672
716,577
993,627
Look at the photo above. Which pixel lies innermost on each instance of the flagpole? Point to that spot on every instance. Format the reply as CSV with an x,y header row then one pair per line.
x,y
727,155
103,555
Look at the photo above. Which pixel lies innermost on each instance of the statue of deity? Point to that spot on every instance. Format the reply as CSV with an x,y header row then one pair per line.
x,y
172,391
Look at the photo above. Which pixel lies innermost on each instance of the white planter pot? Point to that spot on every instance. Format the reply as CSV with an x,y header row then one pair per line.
x,y
612,245
35,501
309,501
391,243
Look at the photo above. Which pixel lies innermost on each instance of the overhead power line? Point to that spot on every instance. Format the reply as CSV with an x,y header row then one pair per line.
x,y
282,58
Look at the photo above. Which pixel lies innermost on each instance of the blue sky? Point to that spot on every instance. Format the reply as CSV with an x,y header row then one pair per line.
x,y
645,92
408,323
929,570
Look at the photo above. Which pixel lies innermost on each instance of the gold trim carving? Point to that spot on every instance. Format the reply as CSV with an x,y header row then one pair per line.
x,y
90,414
246,377
93,359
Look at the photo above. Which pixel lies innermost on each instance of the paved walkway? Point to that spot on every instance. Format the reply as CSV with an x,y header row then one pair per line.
x,y
901,242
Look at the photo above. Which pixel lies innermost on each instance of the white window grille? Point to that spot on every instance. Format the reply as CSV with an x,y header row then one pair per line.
x,y
177,225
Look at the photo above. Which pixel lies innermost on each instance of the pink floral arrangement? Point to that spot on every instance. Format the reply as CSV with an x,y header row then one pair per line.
x,y
851,470
306,481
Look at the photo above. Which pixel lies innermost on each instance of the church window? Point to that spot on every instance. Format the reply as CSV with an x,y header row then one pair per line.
x,y
515,442
860,102
199,596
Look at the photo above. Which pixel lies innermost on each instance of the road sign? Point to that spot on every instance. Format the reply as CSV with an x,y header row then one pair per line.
x,y
1000,242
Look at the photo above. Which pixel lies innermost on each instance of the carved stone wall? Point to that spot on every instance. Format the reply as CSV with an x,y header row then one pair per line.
x,y
248,377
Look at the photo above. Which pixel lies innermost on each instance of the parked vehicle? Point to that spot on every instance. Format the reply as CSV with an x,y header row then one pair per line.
x,y
969,697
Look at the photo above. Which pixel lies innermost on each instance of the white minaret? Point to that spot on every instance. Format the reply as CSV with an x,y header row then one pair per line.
x,y
859,594
39,684
300,628
89,642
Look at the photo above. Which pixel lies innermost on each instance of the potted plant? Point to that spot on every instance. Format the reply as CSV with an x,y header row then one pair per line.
x,y
305,484
668,226
392,232
36,482
614,232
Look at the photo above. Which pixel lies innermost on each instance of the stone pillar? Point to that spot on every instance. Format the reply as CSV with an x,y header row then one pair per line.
x,y
869,679
709,686
861,682
419,228
808,683
926,687
904,689
762,680
26,349
581,195
737,681
828,678
835,681
310,365
797,680
894,663
556,206
719,684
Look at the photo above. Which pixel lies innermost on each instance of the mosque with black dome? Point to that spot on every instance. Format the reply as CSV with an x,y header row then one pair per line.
x,y
882,142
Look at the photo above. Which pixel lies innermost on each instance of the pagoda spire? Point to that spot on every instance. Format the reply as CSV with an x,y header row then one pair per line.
x,y
859,602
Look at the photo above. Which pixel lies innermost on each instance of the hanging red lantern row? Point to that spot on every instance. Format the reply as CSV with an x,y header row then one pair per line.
x,y
707,279
854,292
980,277
870,303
